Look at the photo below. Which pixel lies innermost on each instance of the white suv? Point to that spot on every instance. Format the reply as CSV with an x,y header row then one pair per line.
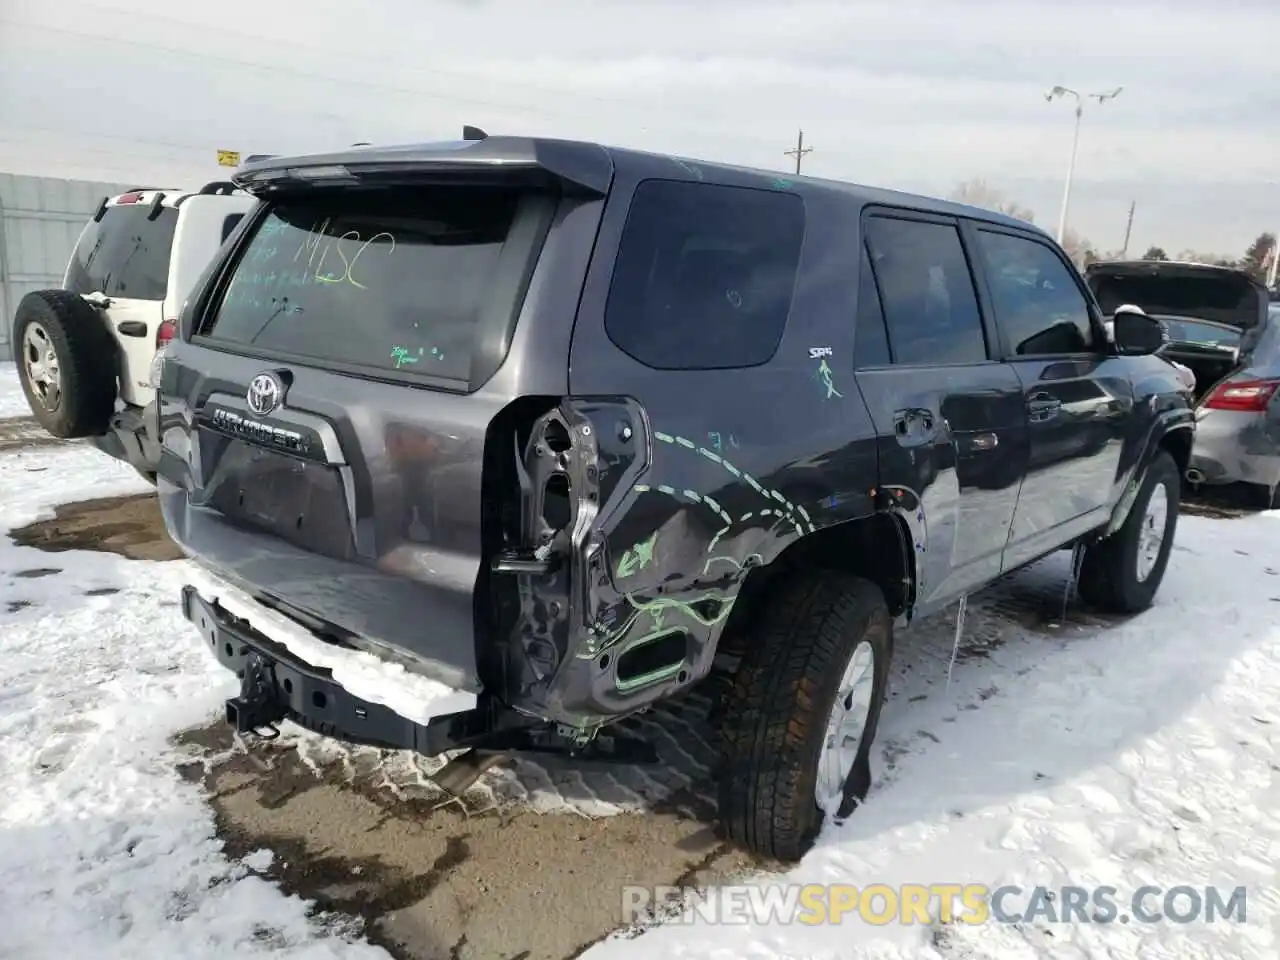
x,y
87,354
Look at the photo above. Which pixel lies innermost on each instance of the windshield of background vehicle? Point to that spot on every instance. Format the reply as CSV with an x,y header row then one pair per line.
x,y
390,280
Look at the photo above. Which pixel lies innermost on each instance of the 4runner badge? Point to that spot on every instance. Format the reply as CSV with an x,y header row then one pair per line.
x,y
264,392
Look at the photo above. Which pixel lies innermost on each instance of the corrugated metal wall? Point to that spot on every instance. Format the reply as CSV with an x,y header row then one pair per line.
x,y
40,221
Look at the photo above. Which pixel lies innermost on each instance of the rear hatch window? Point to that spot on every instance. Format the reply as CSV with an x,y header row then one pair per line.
x,y
124,254
1226,299
409,281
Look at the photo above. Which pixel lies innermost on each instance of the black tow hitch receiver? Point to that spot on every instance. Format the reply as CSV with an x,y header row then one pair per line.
x,y
258,708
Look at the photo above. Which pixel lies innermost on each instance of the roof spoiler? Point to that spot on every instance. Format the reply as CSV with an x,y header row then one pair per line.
x,y
577,166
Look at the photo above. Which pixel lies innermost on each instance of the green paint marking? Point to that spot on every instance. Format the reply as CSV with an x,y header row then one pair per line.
x,y
638,557
790,509
685,606
824,377
739,565
402,355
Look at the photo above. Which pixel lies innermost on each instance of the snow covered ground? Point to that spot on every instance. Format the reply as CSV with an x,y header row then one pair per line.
x,y
104,851
1141,754
12,402
1145,754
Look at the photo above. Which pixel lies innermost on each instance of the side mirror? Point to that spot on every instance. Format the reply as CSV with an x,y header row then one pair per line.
x,y
1135,334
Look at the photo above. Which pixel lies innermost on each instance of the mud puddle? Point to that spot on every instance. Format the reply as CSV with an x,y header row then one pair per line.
x,y
450,881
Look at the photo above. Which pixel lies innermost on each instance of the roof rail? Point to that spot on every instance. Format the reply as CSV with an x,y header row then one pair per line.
x,y
218,187
255,157
146,189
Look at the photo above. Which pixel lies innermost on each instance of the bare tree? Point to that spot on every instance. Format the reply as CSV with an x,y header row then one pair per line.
x,y
1079,249
1200,256
978,193
1256,259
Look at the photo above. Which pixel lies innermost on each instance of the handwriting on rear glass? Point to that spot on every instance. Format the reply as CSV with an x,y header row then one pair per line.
x,y
317,246
402,356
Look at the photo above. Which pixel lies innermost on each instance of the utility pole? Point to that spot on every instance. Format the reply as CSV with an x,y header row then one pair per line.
x,y
799,151
1128,229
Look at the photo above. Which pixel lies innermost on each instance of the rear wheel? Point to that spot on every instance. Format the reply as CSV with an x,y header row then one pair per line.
x,y
1122,573
66,363
798,725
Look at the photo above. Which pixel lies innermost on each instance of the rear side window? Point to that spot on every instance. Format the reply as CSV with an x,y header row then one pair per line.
x,y
926,291
704,275
124,254
401,279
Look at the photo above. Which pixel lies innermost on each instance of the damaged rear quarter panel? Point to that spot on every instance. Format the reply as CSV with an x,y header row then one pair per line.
x,y
699,477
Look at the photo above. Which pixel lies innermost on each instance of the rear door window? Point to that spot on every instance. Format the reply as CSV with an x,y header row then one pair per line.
x,y
704,275
871,337
125,255
393,280
927,293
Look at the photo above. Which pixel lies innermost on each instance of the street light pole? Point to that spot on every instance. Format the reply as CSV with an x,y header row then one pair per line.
x,y
1075,143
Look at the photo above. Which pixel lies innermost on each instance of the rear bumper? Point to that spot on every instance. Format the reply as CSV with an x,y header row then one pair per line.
x,y
309,695
134,437
1234,447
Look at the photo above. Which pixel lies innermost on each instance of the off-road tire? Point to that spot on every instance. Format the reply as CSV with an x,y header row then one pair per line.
x,y
1108,574
86,361
774,719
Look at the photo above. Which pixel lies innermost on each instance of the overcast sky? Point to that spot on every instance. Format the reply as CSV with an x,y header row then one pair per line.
x,y
913,94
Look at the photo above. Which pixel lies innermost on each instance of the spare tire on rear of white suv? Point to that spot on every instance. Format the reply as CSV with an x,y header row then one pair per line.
x,y
66,362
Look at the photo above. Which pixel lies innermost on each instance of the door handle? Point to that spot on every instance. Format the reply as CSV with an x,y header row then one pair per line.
x,y
914,426
1043,406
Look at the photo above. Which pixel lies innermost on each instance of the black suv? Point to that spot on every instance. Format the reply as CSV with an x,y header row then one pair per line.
x,y
541,426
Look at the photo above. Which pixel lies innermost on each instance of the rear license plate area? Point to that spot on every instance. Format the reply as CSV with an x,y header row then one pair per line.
x,y
297,500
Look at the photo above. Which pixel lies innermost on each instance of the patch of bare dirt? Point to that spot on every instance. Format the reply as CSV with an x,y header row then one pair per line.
x,y
447,882
129,526
25,433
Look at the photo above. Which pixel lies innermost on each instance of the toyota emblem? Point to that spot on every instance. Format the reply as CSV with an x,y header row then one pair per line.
x,y
264,393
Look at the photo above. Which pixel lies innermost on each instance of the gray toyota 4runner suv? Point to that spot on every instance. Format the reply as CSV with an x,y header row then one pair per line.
x,y
544,426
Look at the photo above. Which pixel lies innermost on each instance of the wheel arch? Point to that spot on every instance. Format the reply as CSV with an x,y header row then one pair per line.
x,y
875,547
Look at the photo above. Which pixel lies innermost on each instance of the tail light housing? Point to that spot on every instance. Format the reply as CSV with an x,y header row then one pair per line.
x,y
165,335
1248,396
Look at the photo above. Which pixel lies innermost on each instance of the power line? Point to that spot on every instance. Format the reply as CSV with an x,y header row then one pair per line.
x,y
380,62
418,93
798,151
